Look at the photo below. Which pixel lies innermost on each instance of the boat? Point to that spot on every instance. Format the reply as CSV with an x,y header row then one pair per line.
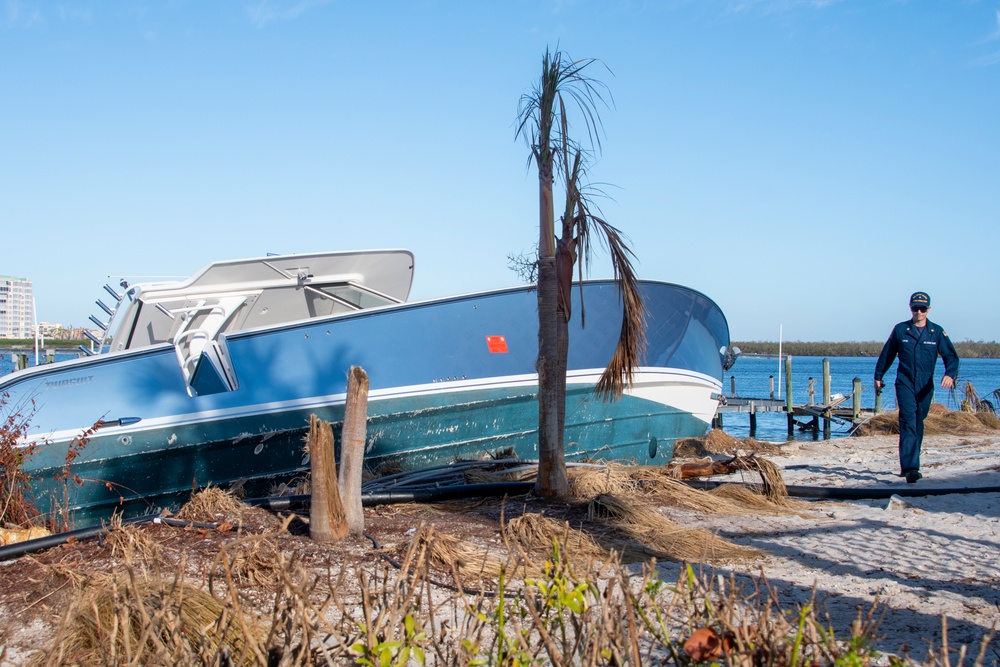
x,y
212,380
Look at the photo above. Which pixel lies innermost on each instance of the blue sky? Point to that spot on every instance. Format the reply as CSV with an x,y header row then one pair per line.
x,y
806,164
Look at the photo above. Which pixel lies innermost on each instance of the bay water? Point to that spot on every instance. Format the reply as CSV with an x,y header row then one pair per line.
x,y
8,359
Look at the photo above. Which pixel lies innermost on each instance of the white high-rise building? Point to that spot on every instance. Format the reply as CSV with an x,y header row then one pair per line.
x,y
17,308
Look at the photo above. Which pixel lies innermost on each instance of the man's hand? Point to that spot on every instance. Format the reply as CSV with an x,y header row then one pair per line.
x,y
947,382
878,387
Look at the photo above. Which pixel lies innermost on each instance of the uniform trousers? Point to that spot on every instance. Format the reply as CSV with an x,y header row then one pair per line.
x,y
913,408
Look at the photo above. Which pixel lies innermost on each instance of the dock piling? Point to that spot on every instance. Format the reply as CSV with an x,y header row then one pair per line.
x,y
789,406
856,401
826,397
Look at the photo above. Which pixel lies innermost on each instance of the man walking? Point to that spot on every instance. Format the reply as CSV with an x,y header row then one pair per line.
x,y
917,343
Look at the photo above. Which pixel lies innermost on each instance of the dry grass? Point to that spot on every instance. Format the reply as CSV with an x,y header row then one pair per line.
x,y
254,561
537,534
466,560
639,522
209,504
660,486
135,619
590,482
129,542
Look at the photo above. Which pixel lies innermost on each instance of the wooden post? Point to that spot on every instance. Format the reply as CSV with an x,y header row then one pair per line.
x,y
878,401
352,448
732,385
826,397
753,422
812,391
327,522
770,380
856,401
826,381
788,394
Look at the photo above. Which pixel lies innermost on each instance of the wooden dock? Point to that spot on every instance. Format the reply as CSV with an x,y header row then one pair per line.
x,y
833,408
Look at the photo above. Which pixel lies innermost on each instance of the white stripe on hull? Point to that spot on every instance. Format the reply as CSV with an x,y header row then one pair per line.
x,y
685,391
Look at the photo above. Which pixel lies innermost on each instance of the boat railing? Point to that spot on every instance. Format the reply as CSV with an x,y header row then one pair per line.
x,y
106,327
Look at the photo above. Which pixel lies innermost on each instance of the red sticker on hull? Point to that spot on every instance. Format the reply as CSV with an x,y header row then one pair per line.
x,y
496,344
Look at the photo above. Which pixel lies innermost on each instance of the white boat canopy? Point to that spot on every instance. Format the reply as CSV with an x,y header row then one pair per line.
x,y
266,291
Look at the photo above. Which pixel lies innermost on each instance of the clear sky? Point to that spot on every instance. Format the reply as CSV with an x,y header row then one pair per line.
x,y
806,164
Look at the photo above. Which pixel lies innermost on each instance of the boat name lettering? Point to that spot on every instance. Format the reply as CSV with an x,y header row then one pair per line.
x,y
72,382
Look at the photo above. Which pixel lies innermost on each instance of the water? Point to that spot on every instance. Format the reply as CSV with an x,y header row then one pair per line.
x,y
752,373
8,359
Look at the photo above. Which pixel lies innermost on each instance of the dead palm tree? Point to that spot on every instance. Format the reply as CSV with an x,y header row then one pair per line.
x,y
544,124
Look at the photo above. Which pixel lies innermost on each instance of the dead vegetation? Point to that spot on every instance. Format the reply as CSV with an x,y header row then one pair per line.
x,y
940,420
718,442
510,582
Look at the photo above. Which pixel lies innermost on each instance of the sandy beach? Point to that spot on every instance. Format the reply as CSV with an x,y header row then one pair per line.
x,y
921,557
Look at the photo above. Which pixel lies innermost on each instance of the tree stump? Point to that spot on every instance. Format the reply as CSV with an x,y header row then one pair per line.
x,y
352,448
327,521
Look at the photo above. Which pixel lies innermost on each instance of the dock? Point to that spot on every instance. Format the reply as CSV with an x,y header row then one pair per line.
x,y
817,415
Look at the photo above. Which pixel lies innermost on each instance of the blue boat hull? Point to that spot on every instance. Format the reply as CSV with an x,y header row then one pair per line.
x,y
450,378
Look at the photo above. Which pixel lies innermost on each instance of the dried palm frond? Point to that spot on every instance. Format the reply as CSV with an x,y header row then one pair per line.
x,y
469,561
989,420
210,505
953,422
747,501
586,483
255,560
772,484
885,423
665,491
537,534
668,539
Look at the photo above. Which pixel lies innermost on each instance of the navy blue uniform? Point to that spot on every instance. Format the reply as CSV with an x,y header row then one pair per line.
x,y
917,349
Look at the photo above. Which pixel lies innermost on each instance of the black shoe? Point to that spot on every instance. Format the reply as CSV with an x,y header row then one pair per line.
x,y
912,476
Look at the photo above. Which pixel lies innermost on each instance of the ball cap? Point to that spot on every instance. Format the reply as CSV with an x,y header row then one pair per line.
x,y
920,299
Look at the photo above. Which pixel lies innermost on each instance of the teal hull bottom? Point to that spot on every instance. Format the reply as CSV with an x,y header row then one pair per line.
x,y
145,470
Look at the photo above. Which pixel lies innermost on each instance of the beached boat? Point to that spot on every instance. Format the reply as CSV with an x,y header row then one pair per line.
x,y
212,380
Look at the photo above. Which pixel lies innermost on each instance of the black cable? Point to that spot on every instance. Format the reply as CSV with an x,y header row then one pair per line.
x,y
856,493
19,549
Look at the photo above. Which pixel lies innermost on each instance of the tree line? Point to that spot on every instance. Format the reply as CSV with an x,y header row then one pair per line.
x,y
50,343
966,349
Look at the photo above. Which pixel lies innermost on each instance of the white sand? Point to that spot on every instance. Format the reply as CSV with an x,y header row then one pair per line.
x,y
923,558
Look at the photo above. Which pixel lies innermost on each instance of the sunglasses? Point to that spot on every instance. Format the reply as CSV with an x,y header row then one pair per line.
x,y
922,309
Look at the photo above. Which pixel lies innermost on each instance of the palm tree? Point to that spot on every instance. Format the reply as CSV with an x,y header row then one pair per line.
x,y
544,124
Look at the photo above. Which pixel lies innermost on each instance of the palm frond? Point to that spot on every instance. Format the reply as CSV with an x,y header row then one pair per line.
x,y
542,118
632,336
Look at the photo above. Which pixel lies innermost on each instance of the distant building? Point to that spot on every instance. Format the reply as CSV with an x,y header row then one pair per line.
x,y
63,332
17,308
